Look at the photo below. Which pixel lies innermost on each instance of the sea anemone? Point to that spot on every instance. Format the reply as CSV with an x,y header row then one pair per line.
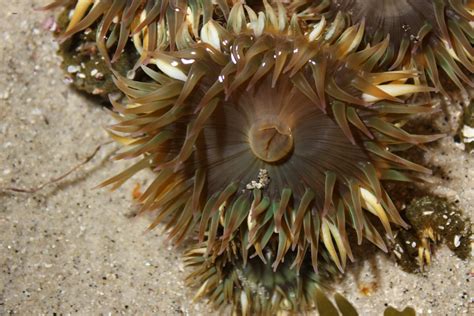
x,y
254,287
273,132
435,36
150,24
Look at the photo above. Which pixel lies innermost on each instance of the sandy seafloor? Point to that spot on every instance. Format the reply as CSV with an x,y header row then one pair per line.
x,y
70,249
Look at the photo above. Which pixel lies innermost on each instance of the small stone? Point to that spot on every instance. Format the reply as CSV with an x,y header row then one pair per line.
x,y
457,241
73,69
5,95
99,76
97,91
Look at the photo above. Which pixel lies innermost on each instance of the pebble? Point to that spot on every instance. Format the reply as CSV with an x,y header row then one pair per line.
x,y
73,69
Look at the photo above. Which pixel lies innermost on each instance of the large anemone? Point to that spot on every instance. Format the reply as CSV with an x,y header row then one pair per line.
x,y
275,133
435,36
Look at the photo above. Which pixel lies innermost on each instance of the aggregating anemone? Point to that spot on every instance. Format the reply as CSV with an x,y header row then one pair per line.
x,y
436,37
272,132
150,24
263,103
254,287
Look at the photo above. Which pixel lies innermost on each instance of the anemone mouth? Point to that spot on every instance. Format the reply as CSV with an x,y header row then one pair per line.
x,y
270,139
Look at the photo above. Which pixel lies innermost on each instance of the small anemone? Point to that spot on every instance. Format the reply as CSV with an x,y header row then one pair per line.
x,y
274,133
435,36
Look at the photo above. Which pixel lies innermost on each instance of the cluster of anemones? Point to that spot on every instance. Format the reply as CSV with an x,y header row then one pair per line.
x,y
431,36
269,135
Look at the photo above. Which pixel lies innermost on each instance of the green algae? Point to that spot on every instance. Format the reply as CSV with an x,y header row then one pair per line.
x,y
433,220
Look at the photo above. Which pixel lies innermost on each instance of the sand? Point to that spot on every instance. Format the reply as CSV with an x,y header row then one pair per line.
x,y
73,249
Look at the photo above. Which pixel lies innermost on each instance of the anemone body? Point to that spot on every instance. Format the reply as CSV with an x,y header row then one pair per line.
x,y
273,133
435,36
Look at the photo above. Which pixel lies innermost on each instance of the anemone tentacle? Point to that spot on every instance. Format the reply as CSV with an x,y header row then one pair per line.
x,y
272,135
